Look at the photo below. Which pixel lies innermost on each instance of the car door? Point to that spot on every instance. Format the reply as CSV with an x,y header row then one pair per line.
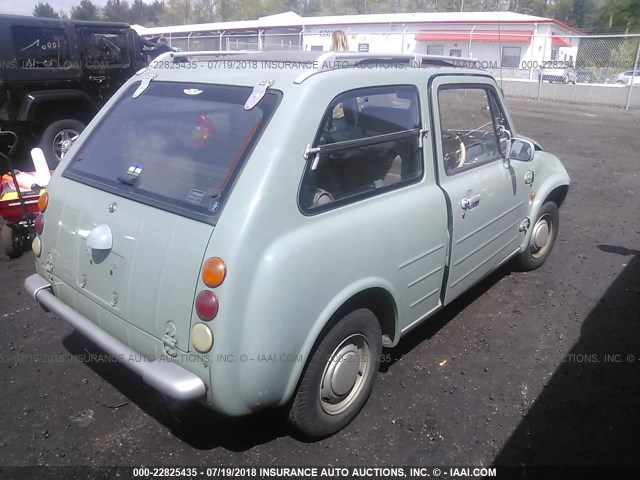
x,y
486,194
106,59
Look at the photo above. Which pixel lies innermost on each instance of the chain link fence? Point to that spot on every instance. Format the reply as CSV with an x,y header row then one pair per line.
x,y
580,70
594,71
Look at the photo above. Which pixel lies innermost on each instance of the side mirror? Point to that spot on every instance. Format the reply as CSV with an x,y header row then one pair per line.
x,y
521,150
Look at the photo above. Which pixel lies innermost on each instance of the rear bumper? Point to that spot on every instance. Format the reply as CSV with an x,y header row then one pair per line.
x,y
165,376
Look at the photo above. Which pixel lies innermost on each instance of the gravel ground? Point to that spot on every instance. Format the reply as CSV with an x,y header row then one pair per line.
x,y
537,368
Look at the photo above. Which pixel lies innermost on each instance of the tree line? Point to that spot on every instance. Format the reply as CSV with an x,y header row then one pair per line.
x,y
595,16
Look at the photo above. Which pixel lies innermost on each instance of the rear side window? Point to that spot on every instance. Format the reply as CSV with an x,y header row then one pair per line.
x,y
40,47
368,143
105,49
176,146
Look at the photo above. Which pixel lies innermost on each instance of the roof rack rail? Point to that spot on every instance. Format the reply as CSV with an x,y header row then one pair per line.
x,y
327,60
174,56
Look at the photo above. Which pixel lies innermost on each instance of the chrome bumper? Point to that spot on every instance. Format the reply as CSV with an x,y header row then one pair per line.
x,y
165,376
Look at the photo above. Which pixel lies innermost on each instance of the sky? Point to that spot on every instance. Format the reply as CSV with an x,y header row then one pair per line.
x,y
25,7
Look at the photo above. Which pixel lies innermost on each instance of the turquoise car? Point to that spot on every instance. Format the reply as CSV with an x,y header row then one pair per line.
x,y
250,229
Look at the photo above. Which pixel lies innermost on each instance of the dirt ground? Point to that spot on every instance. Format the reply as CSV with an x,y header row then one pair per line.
x,y
542,368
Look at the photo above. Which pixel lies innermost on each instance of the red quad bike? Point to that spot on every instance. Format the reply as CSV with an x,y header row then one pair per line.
x,y
18,208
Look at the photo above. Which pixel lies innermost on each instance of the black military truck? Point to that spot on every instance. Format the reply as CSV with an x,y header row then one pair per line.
x,y
56,74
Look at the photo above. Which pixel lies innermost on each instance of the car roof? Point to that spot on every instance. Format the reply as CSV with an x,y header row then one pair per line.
x,y
49,22
298,66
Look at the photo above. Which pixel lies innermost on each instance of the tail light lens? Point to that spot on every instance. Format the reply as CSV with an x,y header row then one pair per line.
x,y
43,201
38,224
206,305
201,337
213,272
36,246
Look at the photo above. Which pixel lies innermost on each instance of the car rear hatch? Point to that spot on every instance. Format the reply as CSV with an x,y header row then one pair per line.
x,y
130,221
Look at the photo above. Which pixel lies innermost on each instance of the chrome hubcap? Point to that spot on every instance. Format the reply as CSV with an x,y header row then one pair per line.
x,y
540,236
63,140
345,374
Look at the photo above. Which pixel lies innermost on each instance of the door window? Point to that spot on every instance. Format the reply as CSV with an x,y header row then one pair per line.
x,y
367,144
41,47
474,128
105,49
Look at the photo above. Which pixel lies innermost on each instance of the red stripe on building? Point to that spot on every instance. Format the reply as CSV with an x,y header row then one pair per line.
x,y
505,36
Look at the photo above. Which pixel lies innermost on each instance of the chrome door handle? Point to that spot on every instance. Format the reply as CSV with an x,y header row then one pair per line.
x,y
98,78
469,203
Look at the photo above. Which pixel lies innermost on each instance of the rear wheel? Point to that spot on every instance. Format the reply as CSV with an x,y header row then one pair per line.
x,y
57,139
340,376
11,241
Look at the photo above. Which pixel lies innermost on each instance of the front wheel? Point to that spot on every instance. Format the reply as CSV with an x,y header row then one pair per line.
x,y
340,376
543,236
57,139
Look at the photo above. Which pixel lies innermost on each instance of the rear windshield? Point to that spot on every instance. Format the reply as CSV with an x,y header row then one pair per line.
x,y
177,146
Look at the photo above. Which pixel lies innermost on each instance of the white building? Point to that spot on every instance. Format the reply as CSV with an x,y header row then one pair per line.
x,y
502,39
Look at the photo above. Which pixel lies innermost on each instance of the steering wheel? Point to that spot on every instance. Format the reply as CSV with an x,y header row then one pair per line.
x,y
460,154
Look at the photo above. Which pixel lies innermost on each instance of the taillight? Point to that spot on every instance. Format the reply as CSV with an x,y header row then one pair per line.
x,y
201,337
36,246
206,305
38,224
43,201
213,272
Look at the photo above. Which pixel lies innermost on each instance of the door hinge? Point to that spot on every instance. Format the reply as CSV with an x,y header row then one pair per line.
x,y
524,226
259,91
143,85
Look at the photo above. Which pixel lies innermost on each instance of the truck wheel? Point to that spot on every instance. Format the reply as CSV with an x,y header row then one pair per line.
x,y
340,376
58,138
11,241
543,236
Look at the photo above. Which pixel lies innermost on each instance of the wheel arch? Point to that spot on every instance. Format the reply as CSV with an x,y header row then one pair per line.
x,y
558,195
556,190
64,103
376,297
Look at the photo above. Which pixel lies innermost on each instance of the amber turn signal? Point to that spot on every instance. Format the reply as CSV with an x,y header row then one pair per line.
x,y
43,201
213,272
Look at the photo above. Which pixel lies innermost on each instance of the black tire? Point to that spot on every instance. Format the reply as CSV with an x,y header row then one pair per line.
x,y
317,418
54,134
11,242
536,254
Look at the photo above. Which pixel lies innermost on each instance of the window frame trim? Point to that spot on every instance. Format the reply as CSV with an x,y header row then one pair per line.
x,y
490,91
315,149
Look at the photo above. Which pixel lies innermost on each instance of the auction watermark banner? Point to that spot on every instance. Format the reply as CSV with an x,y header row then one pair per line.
x,y
317,472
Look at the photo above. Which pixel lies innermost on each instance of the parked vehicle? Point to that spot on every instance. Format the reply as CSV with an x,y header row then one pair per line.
x,y
625,78
584,75
266,222
19,196
55,75
555,71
